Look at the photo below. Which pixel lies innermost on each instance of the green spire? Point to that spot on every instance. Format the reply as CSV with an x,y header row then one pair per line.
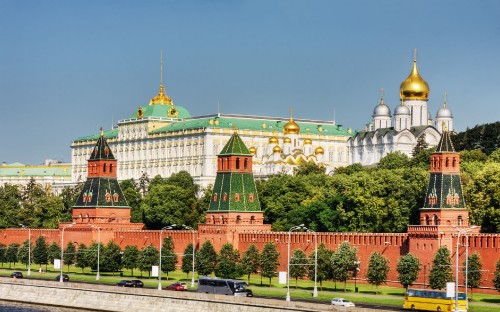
x,y
235,146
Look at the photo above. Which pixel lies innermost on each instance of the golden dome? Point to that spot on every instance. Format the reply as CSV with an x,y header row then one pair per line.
x,y
273,140
291,127
287,140
414,87
277,149
308,141
161,98
253,150
319,151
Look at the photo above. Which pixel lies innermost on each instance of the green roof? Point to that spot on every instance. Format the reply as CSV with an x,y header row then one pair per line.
x,y
234,191
235,146
101,192
102,150
161,111
35,171
108,134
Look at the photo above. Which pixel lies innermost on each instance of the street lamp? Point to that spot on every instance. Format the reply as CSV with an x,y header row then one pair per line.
x,y
168,227
29,247
315,291
462,231
288,267
62,250
97,277
194,232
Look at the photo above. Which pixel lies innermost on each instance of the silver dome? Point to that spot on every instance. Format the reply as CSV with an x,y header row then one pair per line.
x,y
382,110
444,113
402,110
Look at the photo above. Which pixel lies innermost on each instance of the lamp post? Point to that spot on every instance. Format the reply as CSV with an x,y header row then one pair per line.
x,y
315,291
29,247
97,277
194,232
460,232
288,266
62,250
168,227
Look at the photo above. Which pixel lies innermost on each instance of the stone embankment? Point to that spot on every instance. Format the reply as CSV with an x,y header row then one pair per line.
x,y
112,298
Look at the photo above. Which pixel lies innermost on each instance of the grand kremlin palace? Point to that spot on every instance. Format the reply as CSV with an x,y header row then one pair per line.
x,y
163,138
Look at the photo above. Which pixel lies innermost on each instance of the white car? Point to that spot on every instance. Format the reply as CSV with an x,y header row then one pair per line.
x,y
342,302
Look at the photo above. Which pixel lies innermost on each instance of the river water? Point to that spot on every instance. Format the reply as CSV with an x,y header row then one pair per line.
x,y
11,306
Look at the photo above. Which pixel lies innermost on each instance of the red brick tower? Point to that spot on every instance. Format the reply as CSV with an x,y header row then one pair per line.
x,y
234,205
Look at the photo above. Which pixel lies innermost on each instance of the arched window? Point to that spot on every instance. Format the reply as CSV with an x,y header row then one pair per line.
x,y
251,197
215,196
454,162
237,197
104,168
238,219
245,164
427,220
435,220
227,163
460,220
252,219
447,162
110,168
237,163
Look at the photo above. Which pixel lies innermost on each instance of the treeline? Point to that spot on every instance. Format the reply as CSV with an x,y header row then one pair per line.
x,y
338,265
484,137
384,198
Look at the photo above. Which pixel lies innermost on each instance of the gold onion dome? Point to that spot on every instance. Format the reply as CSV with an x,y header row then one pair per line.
x,y
319,151
253,150
287,140
414,87
161,98
273,140
307,141
277,149
291,127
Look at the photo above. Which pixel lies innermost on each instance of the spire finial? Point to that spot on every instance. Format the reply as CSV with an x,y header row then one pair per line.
x,y
291,113
381,96
161,67
415,54
444,103
102,132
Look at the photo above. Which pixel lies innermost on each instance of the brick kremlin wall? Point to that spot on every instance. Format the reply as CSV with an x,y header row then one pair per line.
x,y
424,244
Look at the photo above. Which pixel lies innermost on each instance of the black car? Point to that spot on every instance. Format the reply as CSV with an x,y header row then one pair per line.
x,y
16,275
65,278
137,283
125,283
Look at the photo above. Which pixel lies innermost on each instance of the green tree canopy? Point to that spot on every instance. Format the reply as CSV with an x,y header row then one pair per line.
x,y
250,262
344,261
325,267
269,261
69,254
298,265
41,251
408,268
81,257
378,269
187,259
496,279
441,269
148,257
394,161
23,253
206,259
134,198
110,258
228,262
130,259
474,273
168,256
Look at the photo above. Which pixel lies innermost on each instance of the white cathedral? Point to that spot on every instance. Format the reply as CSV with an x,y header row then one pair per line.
x,y
386,134
162,138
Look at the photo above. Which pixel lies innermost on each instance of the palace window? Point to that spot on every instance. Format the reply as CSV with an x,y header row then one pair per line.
x,y
237,197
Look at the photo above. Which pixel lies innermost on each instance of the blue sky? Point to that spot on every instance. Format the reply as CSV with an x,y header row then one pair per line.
x,y
69,67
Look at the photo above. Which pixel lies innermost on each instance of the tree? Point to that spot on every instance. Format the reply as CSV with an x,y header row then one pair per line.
x,y
91,255
324,265
69,254
408,268
394,161
250,262
308,168
441,269
10,205
54,252
134,198
130,258
3,250
110,258
11,254
474,272
298,265
41,252
344,261
168,256
206,259
496,279
269,261
228,262
23,253
378,269
147,258
421,145
81,257
187,260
